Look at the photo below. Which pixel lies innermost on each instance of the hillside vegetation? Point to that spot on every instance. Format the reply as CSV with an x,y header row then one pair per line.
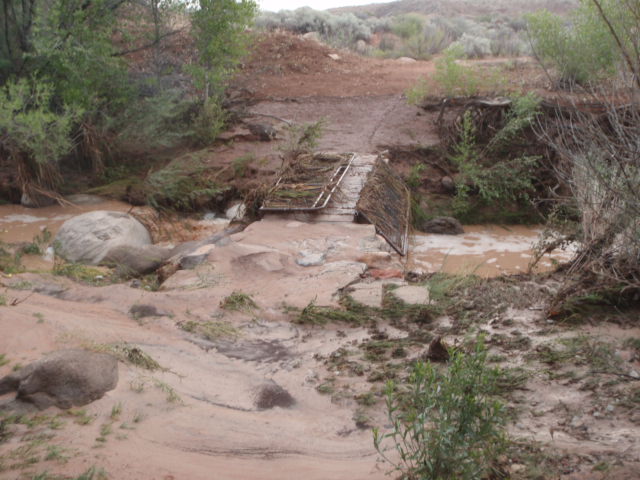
x,y
459,7
93,84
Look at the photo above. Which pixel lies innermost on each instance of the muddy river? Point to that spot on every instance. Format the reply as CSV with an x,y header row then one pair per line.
x,y
486,250
22,224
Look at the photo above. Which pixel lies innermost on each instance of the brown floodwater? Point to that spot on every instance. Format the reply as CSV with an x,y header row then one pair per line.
x,y
485,250
22,224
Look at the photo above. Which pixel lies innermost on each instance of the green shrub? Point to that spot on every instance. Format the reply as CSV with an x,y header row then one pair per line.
x,y
180,184
474,46
301,138
339,30
491,171
446,424
67,92
209,121
219,30
580,52
454,78
34,135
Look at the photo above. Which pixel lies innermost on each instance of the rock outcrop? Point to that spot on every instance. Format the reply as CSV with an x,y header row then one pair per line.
x,y
64,379
132,260
89,237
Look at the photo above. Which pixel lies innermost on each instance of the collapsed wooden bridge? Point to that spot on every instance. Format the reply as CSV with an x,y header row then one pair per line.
x,y
346,187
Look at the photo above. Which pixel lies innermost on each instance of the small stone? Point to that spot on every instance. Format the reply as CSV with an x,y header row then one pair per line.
x,y
236,212
49,254
412,294
448,184
264,133
369,294
576,421
634,374
334,56
270,395
610,408
311,259
63,379
437,351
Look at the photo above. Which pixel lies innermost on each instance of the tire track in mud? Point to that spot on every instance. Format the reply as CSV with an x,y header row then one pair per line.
x,y
381,120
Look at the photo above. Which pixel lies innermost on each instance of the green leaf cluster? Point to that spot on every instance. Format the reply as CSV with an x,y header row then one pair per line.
x,y
28,126
490,171
445,423
454,78
580,51
66,90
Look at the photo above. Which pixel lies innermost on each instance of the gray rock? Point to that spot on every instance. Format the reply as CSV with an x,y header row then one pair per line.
x,y
310,259
265,133
88,238
63,379
448,184
236,212
412,294
361,46
130,260
443,226
314,36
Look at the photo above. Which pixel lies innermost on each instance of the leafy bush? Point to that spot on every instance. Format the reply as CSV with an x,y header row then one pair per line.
x,y
218,28
180,185
67,92
505,42
301,139
474,46
454,78
580,52
158,121
340,30
32,133
445,424
407,26
491,171
209,121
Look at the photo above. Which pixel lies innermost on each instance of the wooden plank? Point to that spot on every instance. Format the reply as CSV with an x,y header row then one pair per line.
x,y
385,201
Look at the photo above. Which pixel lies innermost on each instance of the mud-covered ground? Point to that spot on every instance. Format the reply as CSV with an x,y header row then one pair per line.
x,y
243,320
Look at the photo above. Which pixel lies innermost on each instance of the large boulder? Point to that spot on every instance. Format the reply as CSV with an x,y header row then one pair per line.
x,y
63,379
88,238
